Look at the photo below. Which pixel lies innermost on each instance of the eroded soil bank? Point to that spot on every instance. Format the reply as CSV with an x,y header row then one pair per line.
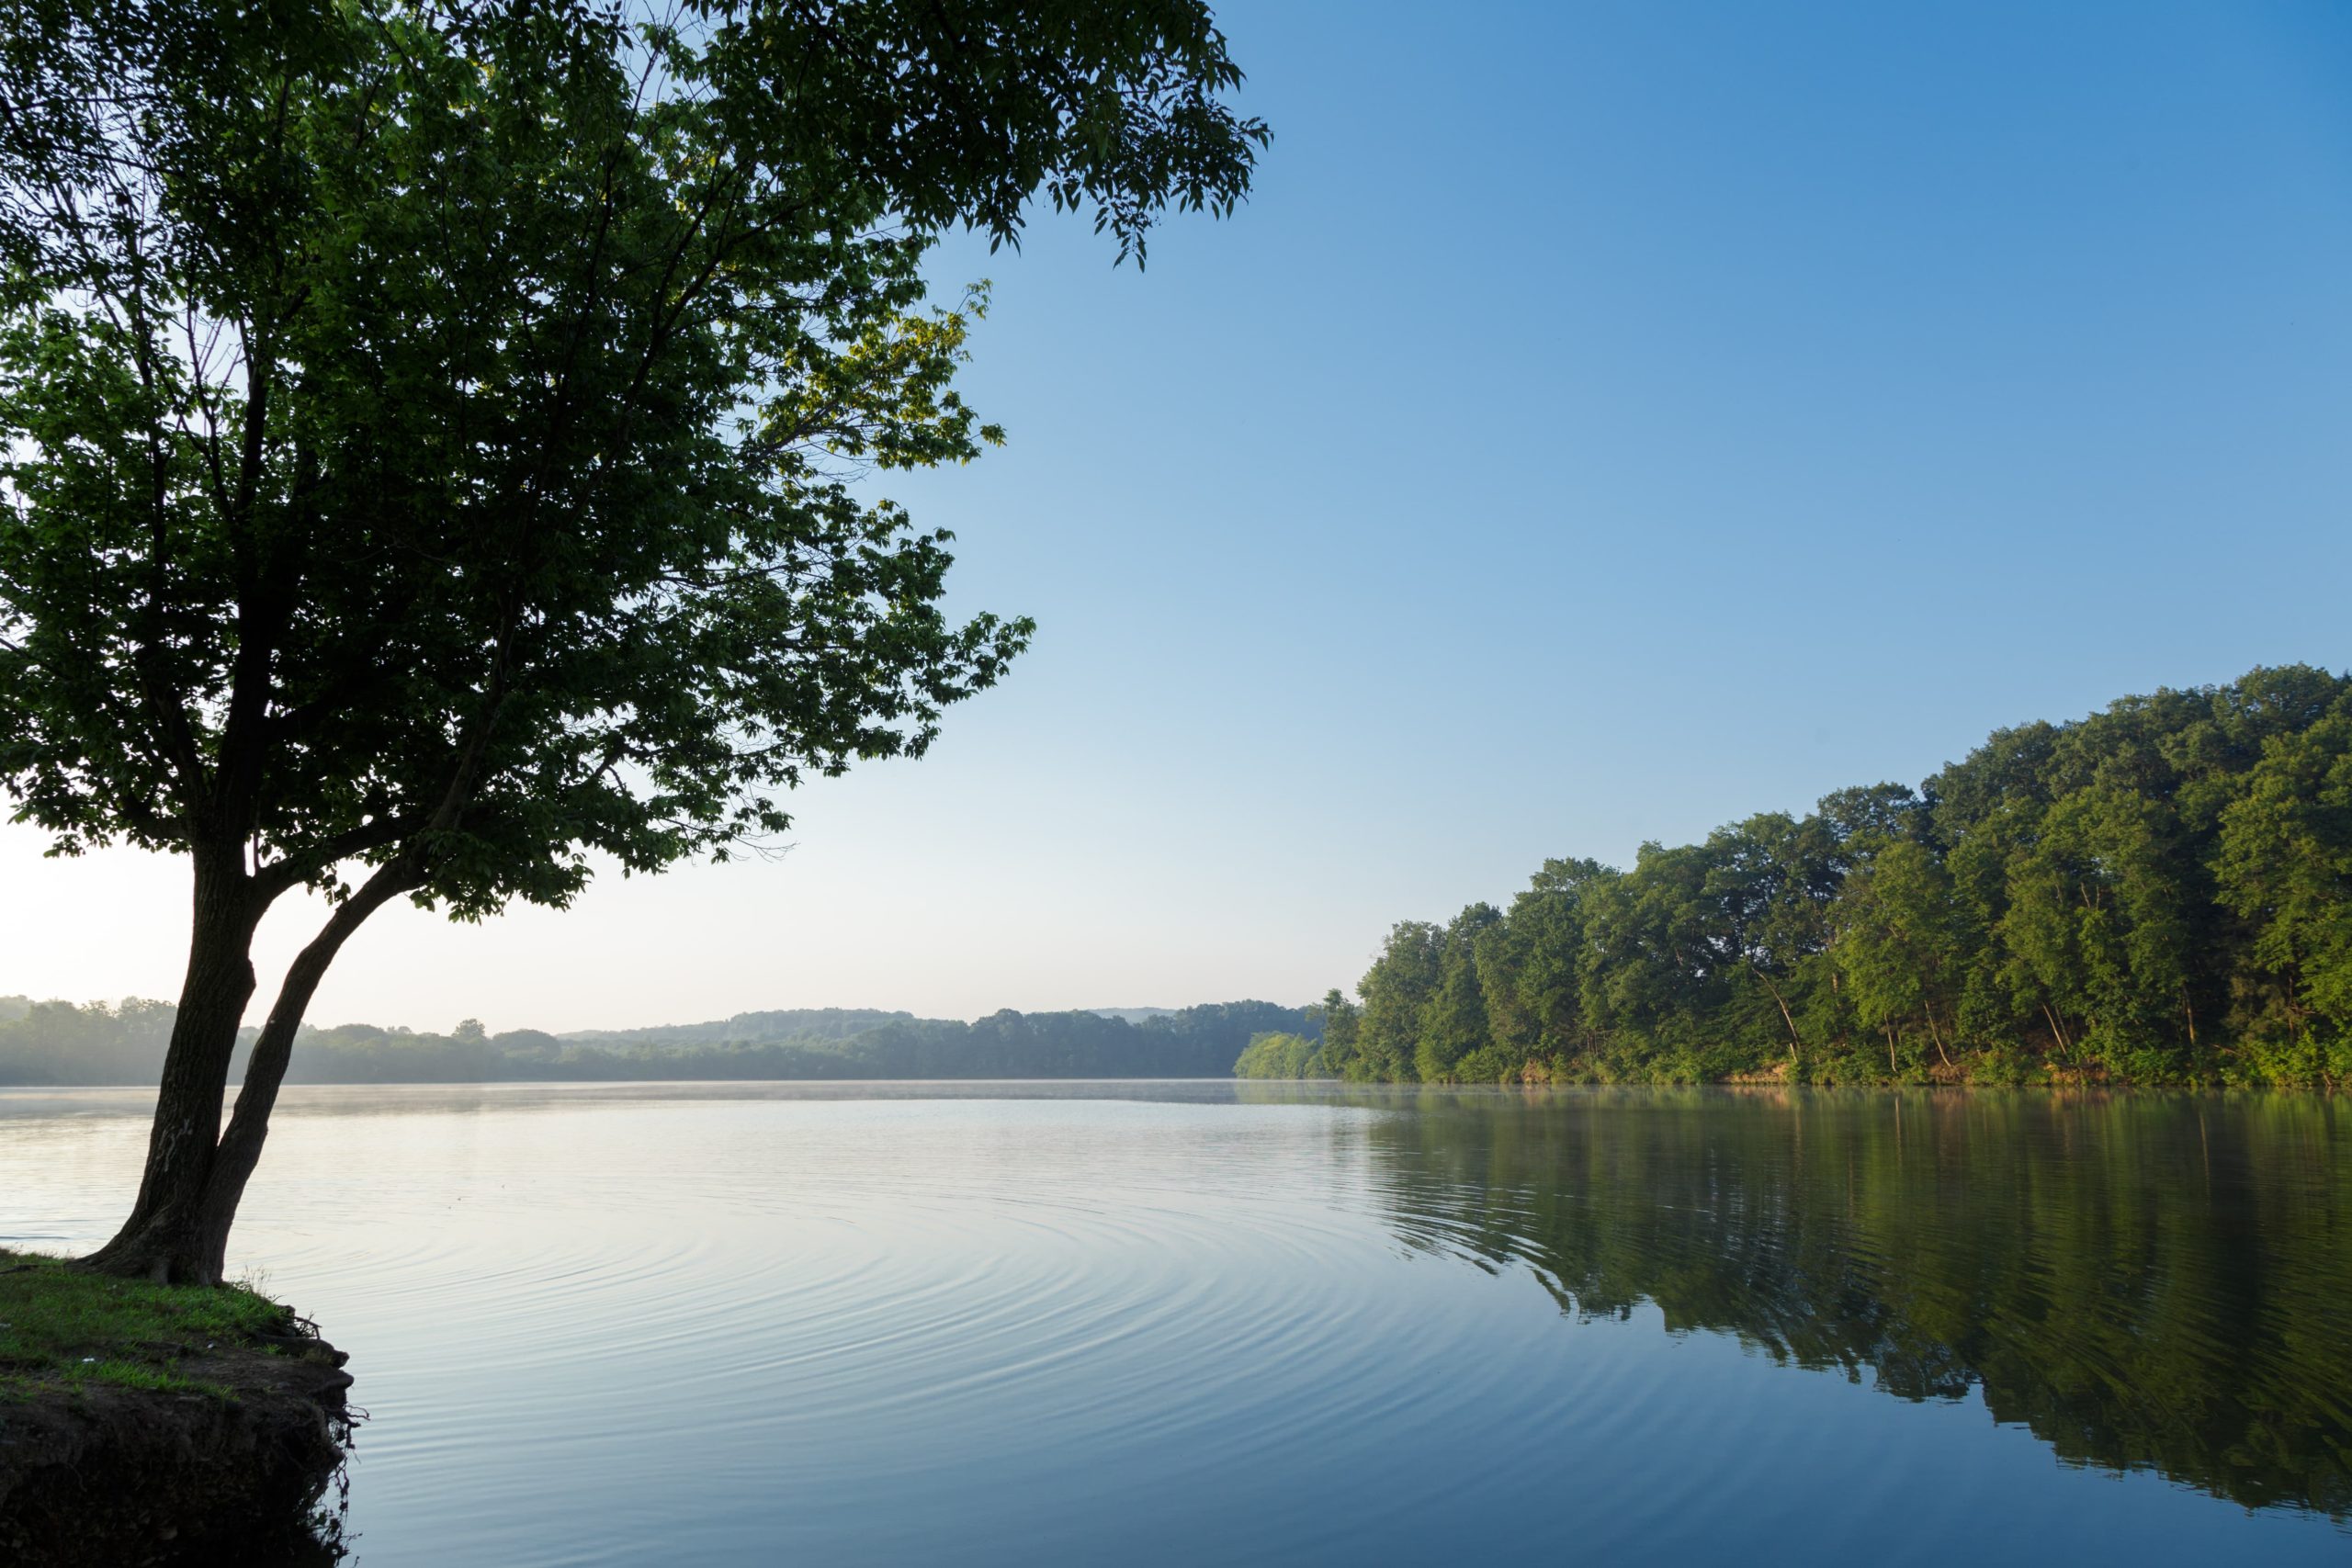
x,y
161,1425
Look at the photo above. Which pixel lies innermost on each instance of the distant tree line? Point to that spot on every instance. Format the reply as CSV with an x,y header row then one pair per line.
x,y
61,1042
2160,893
58,1042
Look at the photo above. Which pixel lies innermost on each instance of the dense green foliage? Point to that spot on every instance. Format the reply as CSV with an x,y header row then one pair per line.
x,y
431,432
2160,892
1280,1055
58,1042
2143,1280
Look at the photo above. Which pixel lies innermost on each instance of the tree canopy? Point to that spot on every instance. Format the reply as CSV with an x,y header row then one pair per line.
x,y
433,433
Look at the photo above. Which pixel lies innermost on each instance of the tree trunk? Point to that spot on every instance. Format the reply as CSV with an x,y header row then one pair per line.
x,y
1786,1017
2057,1033
240,1147
164,1237
1936,1034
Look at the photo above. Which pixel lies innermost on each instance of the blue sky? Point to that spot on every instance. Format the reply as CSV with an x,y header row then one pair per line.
x,y
1603,421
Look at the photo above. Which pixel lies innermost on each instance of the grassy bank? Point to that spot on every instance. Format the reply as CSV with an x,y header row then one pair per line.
x,y
135,1415
61,1330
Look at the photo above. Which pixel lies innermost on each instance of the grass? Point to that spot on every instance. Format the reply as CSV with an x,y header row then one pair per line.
x,y
59,1329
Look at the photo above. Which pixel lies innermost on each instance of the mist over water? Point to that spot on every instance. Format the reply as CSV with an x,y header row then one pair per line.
x,y
1189,1323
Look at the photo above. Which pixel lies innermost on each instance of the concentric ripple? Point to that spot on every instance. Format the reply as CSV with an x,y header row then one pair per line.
x,y
994,1324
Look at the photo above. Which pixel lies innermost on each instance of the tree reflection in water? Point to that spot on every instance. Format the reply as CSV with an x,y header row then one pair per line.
x,y
2141,1280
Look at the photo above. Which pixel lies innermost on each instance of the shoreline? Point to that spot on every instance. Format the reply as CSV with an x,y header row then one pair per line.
x,y
1127,1087
143,1423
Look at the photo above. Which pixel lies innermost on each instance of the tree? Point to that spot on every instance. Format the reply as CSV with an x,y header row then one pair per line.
x,y
2098,922
1280,1057
1394,990
1770,886
433,434
2286,865
1537,961
1340,1019
1671,963
1453,1018
1901,946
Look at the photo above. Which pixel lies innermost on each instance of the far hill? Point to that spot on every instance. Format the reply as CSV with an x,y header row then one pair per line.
x,y
58,1042
793,1023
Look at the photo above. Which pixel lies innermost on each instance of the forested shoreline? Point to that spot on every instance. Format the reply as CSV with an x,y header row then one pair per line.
x,y
63,1042
2158,894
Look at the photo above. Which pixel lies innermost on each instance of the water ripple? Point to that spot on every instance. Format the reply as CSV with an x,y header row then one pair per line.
x,y
656,1325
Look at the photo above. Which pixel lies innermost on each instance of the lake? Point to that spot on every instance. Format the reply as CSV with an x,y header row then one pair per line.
x,y
1215,1323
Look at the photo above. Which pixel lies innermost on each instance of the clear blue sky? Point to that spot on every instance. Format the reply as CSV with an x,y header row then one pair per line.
x,y
1604,422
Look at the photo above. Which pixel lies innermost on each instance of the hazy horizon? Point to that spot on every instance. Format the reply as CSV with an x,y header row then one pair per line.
x,y
592,1030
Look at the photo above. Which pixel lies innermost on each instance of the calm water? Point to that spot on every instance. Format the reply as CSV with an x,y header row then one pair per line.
x,y
1197,1324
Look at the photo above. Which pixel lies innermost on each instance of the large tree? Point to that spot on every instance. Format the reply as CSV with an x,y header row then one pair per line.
x,y
432,433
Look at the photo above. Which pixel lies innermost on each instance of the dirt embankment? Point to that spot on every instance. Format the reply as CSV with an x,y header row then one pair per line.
x,y
218,1449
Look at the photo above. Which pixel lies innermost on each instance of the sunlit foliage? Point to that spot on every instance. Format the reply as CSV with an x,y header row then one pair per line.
x,y
2160,892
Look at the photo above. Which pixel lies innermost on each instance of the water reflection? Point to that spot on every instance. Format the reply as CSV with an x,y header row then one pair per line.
x,y
1168,1325
2143,1281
